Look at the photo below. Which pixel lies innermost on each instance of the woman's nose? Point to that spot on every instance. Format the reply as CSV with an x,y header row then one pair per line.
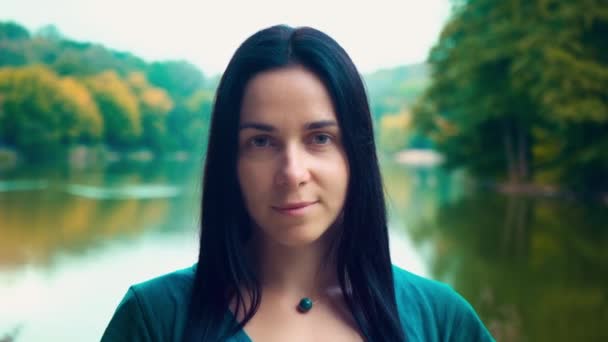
x,y
292,169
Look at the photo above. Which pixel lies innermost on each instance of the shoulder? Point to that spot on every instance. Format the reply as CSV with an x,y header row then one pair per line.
x,y
174,284
414,289
154,310
435,311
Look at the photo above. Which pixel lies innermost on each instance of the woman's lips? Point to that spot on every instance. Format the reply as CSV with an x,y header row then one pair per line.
x,y
294,209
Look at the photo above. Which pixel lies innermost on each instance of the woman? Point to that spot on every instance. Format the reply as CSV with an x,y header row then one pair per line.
x,y
294,241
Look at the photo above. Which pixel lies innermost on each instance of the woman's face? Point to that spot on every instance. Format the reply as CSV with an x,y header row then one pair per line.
x,y
292,168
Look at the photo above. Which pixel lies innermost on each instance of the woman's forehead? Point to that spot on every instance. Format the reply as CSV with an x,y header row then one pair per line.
x,y
286,93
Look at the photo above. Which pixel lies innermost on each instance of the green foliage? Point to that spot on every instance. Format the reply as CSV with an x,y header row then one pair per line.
x,y
119,107
518,91
188,123
84,93
395,89
39,111
49,32
394,132
13,31
48,46
154,104
180,78
12,53
80,102
12,37
89,59
392,92
165,106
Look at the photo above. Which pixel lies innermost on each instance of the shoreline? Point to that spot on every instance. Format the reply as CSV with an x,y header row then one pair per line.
x,y
80,156
429,158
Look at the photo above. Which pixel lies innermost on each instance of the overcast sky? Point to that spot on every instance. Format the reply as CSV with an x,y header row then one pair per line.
x,y
377,34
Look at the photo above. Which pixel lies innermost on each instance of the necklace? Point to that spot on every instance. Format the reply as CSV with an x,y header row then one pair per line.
x,y
305,305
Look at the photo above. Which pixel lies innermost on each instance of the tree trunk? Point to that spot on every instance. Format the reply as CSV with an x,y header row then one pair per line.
x,y
523,164
510,152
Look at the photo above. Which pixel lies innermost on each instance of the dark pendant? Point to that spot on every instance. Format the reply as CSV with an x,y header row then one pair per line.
x,y
305,305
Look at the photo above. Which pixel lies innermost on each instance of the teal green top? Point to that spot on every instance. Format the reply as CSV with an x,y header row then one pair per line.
x,y
156,310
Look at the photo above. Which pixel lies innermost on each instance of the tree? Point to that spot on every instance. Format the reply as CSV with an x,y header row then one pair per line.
x,y
155,104
13,31
12,38
181,79
518,91
42,112
125,102
119,107
79,101
188,123
395,131
392,90
49,32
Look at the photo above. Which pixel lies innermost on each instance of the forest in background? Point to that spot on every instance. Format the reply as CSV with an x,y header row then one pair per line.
x,y
518,93
514,92
57,93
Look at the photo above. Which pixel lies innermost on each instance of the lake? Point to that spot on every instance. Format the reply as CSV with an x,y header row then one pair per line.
x,y
73,240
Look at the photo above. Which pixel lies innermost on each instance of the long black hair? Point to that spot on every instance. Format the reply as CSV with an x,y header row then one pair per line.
x,y
224,274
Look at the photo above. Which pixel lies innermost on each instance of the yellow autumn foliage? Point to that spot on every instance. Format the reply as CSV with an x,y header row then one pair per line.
x,y
119,107
394,131
91,122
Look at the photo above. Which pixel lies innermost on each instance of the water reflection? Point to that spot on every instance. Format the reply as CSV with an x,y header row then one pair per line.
x,y
69,249
535,269
66,216
124,192
22,185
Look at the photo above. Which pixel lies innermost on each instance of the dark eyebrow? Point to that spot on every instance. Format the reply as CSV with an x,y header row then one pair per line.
x,y
320,124
269,128
258,126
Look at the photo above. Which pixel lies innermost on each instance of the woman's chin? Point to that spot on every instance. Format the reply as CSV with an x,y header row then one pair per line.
x,y
300,236
299,240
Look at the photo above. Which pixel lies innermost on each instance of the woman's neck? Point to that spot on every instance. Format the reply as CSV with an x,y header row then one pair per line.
x,y
296,271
